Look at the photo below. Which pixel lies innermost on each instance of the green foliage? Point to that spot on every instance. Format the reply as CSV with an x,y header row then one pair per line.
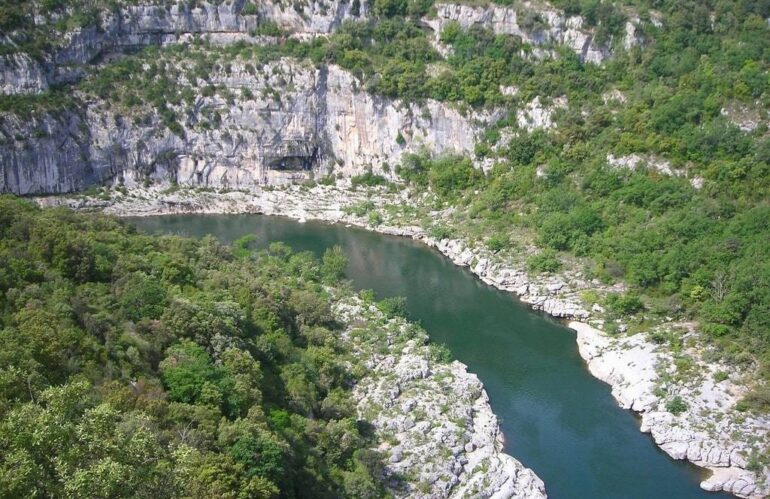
x,y
241,246
693,252
449,175
440,352
138,366
439,232
696,252
333,266
141,296
368,179
757,400
544,261
249,9
375,218
189,374
676,405
624,304
393,307
498,241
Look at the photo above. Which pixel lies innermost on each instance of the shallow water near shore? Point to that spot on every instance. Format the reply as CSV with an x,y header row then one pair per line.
x,y
557,419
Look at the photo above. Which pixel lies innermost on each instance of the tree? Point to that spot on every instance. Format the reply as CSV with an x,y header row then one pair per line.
x,y
334,263
185,371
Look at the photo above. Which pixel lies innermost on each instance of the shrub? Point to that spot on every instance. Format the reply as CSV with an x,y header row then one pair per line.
x,y
440,353
368,179
375,218
249,9
545,261
393,307
498,241
676,405
440,232
625,304
757,400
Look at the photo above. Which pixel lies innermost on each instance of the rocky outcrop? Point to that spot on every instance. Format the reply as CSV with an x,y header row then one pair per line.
x,y
535,24
653,163
137,25
705,432
535,115
19,74
295,122
438,434
366,130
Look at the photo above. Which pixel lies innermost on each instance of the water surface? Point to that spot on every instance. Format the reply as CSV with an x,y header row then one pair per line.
x,y
557,419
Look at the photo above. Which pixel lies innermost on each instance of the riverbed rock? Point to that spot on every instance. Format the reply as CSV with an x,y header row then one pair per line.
x,y
441,432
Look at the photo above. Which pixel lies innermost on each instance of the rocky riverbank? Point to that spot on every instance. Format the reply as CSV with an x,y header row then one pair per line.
x,y
690,411
436,427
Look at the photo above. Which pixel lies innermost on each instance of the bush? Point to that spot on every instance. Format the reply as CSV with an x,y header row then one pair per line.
x,y
249,9
393,307
450,176
757,400
676,405
498,241
375,218
368,179
626,304
440,232
440,353
545,261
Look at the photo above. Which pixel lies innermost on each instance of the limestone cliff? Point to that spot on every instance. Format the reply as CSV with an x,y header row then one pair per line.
x,y
536,24
295,122
131,26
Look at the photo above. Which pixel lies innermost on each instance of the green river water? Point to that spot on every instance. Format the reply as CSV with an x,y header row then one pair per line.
x,y
557,419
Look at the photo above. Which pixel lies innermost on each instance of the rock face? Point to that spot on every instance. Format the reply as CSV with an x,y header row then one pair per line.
x,y
133,26
535,24
437,431
366,130
19,74
318,121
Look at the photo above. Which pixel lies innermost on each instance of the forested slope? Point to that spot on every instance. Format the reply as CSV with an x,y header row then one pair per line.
x,y
169,367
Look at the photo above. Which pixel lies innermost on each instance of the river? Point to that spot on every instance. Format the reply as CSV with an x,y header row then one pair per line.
x,y
557,419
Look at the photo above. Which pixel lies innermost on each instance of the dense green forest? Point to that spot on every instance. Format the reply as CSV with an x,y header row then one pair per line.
x,y
168,367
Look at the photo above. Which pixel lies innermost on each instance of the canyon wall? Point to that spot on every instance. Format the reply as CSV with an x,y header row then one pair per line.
x,y
298,122
132,26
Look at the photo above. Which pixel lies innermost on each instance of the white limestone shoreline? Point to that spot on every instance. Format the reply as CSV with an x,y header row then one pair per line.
x,y
708,431
434,419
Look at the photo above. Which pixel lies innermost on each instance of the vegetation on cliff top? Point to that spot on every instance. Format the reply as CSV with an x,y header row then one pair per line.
x,y
157,367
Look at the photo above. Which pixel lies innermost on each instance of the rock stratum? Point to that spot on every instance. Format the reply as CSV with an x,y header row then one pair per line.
x,y
129,26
